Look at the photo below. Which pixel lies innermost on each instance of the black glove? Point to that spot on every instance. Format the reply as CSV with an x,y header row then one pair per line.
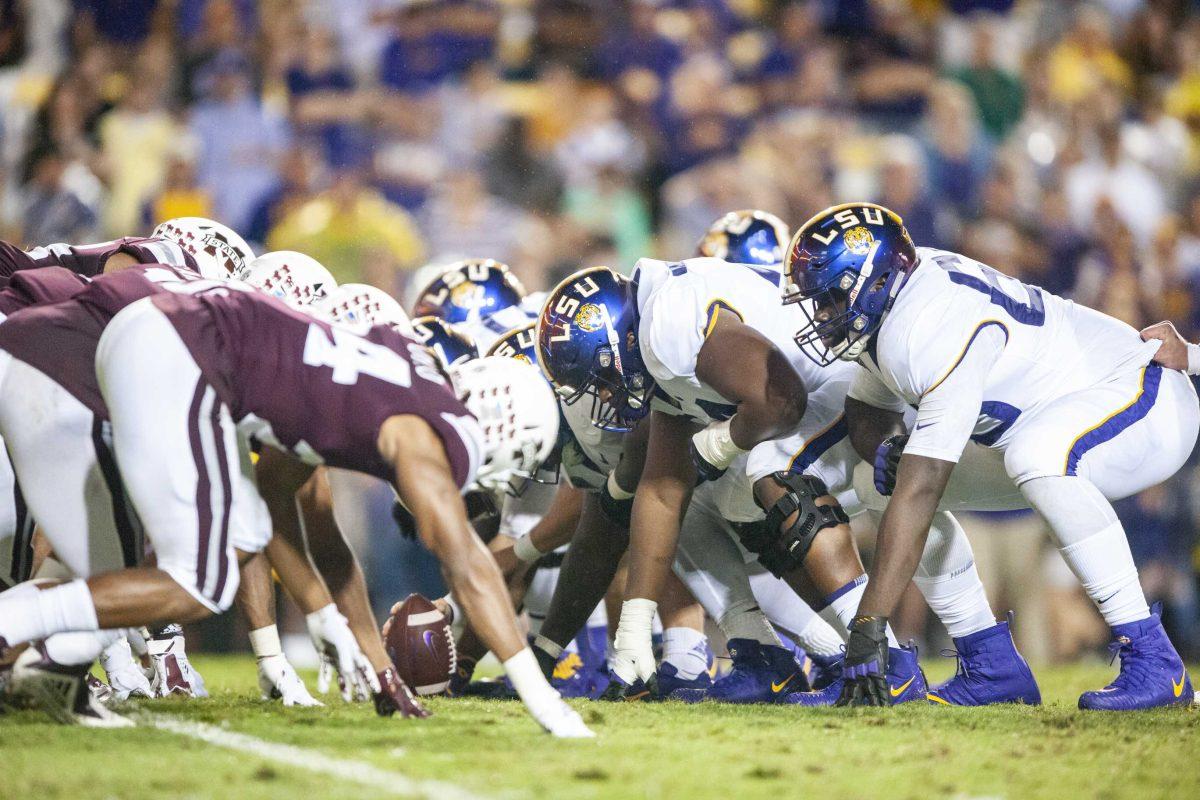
x,y
865,668
887,462
704,470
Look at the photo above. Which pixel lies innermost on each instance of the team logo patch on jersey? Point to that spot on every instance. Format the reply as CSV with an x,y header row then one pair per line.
x,y
858,240
589,318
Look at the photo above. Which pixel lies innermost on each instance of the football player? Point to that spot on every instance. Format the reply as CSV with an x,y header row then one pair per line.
x,y
1066,397
480,296
225,353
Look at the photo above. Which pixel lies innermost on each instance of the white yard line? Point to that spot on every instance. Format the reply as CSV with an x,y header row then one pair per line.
x,y
382,780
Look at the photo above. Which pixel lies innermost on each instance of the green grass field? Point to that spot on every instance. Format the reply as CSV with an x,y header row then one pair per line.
x,y
492,749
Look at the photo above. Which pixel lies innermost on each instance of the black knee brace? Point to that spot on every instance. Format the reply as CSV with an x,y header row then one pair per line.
x,y
781,548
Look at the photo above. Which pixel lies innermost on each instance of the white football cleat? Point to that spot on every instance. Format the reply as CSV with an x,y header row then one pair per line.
x,y
278,681
173,673
61,690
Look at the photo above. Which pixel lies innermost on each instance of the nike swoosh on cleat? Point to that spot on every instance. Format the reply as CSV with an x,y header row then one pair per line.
x,y
778,687
903,686
1178,687
934,698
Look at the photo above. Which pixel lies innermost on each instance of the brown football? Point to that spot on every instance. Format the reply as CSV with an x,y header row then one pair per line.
x,y
421,646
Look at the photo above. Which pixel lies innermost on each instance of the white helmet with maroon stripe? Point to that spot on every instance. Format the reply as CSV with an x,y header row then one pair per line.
x,y
361,306
219,252
294,278
517,412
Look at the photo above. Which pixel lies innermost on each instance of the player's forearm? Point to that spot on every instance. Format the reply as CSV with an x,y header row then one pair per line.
x,y
654,534
869,426
587,572
479,588
302,582
903,531
555,528
256,593
339,568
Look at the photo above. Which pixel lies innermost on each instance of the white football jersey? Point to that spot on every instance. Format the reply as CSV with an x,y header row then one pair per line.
x,y
679,303
586,465
1051,347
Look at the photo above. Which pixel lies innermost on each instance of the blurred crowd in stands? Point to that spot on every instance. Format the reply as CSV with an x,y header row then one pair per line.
x,y
1058,141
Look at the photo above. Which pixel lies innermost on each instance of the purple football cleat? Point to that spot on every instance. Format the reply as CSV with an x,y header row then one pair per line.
x,y
906,681
990,671
761,674
673,687
1152,673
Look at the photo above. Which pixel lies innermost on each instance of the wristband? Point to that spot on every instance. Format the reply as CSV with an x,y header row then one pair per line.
x,y
637,618
525,550
715,445
264,642
615,490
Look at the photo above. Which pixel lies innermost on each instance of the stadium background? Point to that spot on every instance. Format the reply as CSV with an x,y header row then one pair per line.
x,y
1056,141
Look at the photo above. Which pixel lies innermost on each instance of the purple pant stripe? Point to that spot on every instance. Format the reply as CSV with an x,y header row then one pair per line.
x,y
227,492
838,592
203,487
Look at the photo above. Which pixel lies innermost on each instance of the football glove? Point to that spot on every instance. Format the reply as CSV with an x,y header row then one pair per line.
x,y
277,680
340,655
392,695
633,659
887,463
864,671
173,673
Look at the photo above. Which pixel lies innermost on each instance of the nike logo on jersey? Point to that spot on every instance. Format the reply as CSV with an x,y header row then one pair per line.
x,y
778,687
924,425
896,692
1178,687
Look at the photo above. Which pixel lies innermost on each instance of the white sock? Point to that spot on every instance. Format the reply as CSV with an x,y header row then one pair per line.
x,y
26,615
832,620
743,621
820,638
1105,567
686,650
1092,542
949,581
80,647
845,602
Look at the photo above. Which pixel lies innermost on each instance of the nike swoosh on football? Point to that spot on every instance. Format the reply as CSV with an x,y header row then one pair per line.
x,y
778,687
903,686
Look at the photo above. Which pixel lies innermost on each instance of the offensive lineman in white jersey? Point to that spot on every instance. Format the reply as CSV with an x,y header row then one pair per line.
x,y
1066,394
705,332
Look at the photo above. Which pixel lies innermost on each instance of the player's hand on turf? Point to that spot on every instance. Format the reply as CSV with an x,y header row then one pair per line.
x,y
393,695
864,671
1173,353
561,721
340,655
887,463
633,659
278,681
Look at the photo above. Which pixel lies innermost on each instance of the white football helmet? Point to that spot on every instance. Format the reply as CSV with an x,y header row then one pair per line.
x,y
294,278
360,306
517,412
219,252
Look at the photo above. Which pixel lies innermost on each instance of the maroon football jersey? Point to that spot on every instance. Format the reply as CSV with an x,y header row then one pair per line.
x,y
89,259
319,391
59,338
33,287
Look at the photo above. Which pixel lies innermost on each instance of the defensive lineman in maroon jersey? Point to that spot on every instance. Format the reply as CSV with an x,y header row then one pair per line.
x,y
180,376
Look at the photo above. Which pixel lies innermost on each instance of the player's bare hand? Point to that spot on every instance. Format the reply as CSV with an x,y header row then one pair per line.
x,y
1173,352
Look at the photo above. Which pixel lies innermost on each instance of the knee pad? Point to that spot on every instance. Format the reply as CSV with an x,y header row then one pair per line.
x,y
782,547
